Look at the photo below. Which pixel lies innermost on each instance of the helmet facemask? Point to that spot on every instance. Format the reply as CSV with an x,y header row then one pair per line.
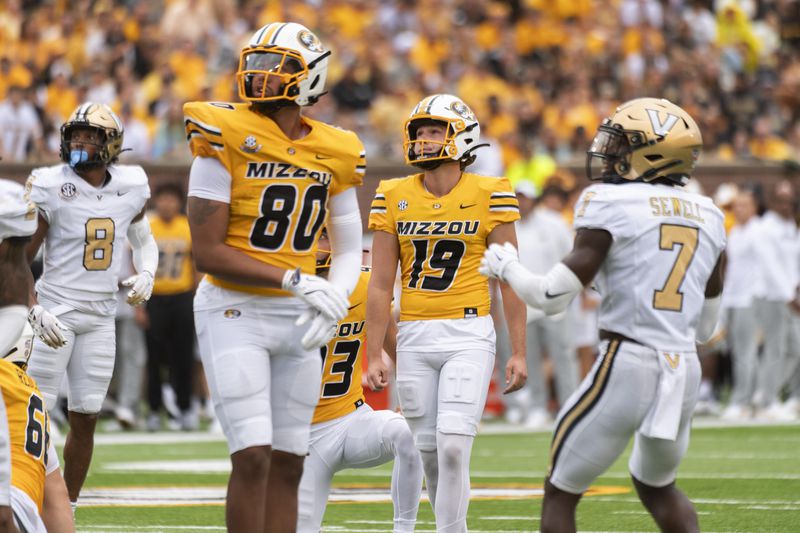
x,y
444,150
79,159
259,66
612,146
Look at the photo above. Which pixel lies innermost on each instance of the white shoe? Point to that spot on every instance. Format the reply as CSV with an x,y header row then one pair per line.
x,y
538,419
707,408
125,417
776,412
792,405
190,421
215,428
513,415
735,412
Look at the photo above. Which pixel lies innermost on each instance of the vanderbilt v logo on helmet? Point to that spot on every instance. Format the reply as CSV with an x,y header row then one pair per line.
x,y
461,137
94,116
283,62
646,139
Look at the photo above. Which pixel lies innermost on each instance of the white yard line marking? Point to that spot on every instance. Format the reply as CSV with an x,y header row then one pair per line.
x,y
710,501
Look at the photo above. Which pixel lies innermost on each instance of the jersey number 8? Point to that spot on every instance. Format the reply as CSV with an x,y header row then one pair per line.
x,y
99,246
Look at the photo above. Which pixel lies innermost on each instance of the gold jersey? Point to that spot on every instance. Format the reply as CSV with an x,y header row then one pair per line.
x,y
341,390
279,187
442,241
175,273
28,430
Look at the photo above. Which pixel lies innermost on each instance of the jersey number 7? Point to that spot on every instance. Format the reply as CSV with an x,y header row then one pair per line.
x,y
670,297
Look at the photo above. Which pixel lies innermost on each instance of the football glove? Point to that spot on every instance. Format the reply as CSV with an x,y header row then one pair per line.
x,y
321,330
318,293
47,327
141,287
496,260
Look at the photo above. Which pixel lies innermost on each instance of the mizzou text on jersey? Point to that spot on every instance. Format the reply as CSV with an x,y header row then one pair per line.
x,y
442,241
280,187
341,390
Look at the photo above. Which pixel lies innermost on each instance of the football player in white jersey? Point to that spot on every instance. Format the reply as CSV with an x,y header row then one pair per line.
x,y
655,252
87,206
17,224
264,180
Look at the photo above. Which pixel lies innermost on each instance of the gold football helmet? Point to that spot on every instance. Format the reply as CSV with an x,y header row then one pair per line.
x,y
94,116
287,51
644,140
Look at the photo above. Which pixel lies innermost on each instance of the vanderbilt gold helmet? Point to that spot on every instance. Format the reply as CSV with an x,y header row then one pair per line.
x,y
461,136
646,139
290,53
92,116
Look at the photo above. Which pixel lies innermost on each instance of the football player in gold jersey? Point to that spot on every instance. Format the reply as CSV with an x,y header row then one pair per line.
x,y
345,431
437,225
39,498
263,182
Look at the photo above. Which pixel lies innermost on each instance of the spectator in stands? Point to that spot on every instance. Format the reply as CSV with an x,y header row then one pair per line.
x,y
20,127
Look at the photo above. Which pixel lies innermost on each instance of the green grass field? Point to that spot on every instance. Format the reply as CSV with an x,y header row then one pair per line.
x,y
741,479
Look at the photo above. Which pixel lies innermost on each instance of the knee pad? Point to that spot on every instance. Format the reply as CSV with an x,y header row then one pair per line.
x,y
454,423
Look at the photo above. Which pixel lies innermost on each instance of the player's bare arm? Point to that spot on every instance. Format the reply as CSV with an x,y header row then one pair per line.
x,y
588,253
208,222
390,340
385,254
56,511
515,313
14,272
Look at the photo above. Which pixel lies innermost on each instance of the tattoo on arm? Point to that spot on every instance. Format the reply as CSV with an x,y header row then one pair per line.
x,y
200,210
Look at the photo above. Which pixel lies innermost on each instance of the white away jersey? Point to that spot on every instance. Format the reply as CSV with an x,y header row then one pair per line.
x,y
666,243
17,214
88,227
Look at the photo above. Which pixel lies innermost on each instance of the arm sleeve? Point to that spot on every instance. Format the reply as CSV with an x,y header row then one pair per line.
x,y
145,249
5,457
344,231
209,179
503,204
709,316
551,293
380,216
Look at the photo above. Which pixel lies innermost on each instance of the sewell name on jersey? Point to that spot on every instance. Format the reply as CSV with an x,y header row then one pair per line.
x,y
438,227
670,206
272,169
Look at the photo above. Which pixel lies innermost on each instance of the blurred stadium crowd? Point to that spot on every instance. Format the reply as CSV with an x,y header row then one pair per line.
x,y
540,74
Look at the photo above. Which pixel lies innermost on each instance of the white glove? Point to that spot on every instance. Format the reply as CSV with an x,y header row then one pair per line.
x,y
496,259
318,293
141,287
47,327
321,330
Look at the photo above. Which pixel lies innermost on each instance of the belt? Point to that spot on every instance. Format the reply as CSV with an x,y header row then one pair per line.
x,y
606,335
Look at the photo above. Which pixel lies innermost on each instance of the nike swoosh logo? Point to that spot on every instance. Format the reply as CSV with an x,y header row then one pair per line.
x,y
353,307
120,193
548,295
322,157
462,206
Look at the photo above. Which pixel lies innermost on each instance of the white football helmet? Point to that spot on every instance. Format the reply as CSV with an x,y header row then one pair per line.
x,y
461,138
21,351
287,51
